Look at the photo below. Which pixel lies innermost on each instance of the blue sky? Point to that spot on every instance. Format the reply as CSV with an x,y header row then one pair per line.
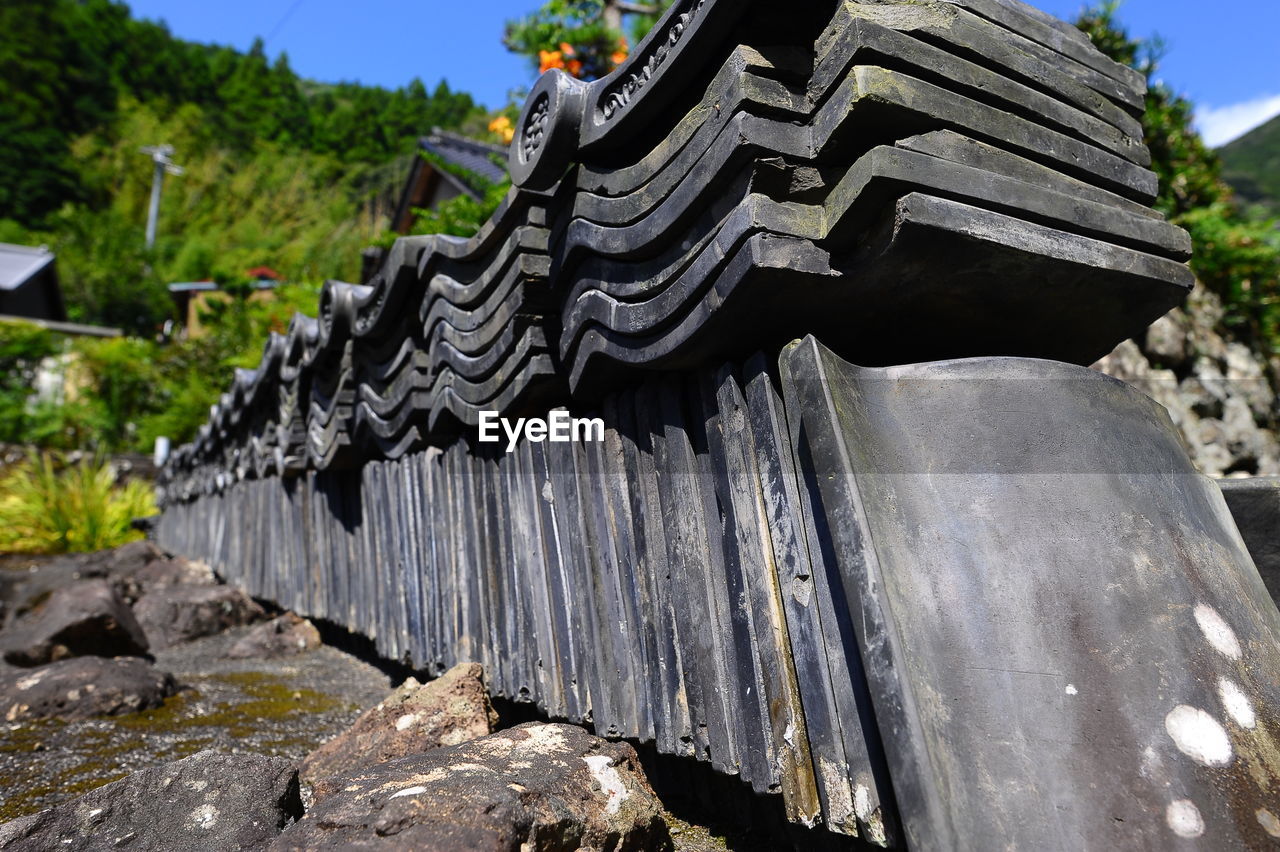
x,y
1223,55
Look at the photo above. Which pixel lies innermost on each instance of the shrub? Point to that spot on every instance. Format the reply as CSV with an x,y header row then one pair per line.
x,y
22,348
47,506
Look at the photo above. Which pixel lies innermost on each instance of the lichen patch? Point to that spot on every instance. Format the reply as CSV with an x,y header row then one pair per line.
x,y
205,816
1198,735
1183,818
409,791
1270,822
611,783
30,681
1217,631
862,802
1237,704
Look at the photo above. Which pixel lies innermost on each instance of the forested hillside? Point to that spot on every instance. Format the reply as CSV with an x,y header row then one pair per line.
x,y
1251,164
1236,256
280,171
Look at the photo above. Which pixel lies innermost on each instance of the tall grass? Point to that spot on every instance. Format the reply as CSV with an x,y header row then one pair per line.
x,y
50,507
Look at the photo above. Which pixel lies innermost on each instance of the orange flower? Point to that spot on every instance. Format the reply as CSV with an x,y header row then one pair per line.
x,y
566,48
574,67
501,126
620,55
550,59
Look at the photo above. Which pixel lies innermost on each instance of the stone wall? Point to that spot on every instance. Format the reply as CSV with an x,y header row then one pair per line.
x,y
1219,392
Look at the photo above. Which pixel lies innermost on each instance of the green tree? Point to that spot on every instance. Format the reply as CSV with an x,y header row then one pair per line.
x,y
280,171
65,66
52,87
586,38
1234,256
23,347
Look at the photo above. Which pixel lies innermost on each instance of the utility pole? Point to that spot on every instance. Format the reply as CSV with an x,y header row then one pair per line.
x,y
160,155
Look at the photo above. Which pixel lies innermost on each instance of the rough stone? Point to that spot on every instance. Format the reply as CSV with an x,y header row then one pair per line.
x,y
82,688
180,613
536,786
28,589
1246,374
1167,339
207,801
9,583
1216,390
415,718
136,578
133,569
283,708
87,617
124,559
282,636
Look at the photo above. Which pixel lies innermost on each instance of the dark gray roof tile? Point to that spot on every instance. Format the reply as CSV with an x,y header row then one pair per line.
x,y
480,158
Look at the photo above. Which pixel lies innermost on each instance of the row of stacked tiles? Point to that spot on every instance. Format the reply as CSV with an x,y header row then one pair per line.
x,y
657,584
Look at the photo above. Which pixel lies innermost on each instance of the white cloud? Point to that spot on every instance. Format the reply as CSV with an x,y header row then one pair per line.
x,y
1220,125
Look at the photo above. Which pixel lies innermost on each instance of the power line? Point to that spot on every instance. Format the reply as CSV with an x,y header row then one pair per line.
x,y
284,19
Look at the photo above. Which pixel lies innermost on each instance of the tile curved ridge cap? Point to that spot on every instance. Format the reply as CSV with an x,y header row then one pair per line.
x,y
563,116
1077,387
375,310
337,311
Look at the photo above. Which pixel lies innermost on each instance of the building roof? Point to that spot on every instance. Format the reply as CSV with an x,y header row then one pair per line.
x,y
210,286
74,329
480,158
19,264
476,164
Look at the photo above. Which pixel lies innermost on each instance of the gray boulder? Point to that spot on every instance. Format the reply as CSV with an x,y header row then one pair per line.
x,y
1216,390
125,558
133,569
28,589
141,567
86,617
536,786
207,801
450,710
176,614
282,636
10,582
83,687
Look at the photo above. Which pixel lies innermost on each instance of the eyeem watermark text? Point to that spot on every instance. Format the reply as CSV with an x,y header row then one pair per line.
x,y
559,428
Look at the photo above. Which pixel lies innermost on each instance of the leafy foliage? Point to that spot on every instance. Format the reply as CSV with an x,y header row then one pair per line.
x,y
50,507
568,34
583,37
65,65
462,216
120,394
306,215
1235,256
194,373
1251,164
279,171
23,347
